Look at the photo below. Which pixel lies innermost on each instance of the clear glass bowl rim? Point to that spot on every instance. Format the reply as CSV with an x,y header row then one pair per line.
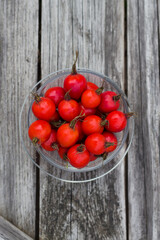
x,y
86,71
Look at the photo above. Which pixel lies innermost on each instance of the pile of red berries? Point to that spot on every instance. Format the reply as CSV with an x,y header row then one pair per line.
x,y
78,120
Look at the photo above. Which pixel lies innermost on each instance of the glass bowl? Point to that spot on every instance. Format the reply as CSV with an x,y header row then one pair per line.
x,y
50,162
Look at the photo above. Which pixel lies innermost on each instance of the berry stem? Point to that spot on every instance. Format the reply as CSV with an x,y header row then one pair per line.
x,y
74,121
67,164
65,157
74,70
37,98
72,124
67,95
104,155
130,114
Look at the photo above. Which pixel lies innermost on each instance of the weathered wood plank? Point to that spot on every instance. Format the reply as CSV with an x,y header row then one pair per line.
x,y
143,92
56,34
10,232
103,201
18,72
96,28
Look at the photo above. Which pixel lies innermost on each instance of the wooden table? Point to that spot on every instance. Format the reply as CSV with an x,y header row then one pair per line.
x,y
117,38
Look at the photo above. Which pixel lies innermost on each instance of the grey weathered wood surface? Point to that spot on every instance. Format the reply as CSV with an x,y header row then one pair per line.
x,y
9,231
72,209
120,39
18,72
143,92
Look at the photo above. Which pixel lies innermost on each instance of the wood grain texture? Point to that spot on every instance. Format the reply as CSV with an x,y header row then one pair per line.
x,y
143,92
10,232
96,29
56,35
95,210
18,72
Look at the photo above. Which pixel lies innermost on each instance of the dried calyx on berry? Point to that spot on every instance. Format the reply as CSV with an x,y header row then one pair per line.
x,y
104,122
81,148
100,90
117,97
35,141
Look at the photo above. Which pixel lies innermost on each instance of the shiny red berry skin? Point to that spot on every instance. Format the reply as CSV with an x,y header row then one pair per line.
x,y
79,127
55,117
68,109
91,85
90,99
67,136
92,124
117,121
44,108
111,138
39,130
95,143
86,111
108,104
56,94
76,83
63,152
48,145
78,159
92,157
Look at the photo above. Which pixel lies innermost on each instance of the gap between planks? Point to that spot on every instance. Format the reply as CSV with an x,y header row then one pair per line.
x,y
126,93
37,154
